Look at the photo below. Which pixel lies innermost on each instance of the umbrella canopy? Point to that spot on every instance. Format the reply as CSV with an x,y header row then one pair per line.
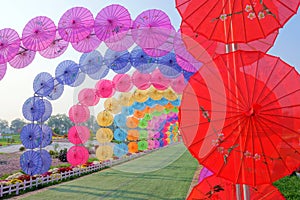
x,y
214,187
79,80
151,28
38,33
248,117
120,134
178,84
132,147
155,94
46,161
120,119
78,134
120,42
91,63
31,162
143,134
140,96
43,84
159,81
57,91
122,82
221,21
105,118
116,60
126,99
133,135
138,114
79,113
10,44
105,88
104,152
112,23
75,24
46,135
132,122
120,149
88,97
140,80
139,106
142,145
47,112
87,44
56,48
170,95
168,65
104,135
204,173
112,105
23,58
77,155
3,68
67,72
142,61
31,136
33,109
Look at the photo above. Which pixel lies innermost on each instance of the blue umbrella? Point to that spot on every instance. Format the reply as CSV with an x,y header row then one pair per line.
x,y
176,102
33,109
66,72
120,120
120,135
120,149
57,91
127,110
31,136
168,66
79,80
43,84
139,106
101,73
116,60
46,161
31,162
142,61
91,63
161,143
123,70
163,101
46,135
187,75
150,102
47,112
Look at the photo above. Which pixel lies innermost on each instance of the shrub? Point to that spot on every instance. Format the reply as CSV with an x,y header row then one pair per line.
x,y
62,156
22,148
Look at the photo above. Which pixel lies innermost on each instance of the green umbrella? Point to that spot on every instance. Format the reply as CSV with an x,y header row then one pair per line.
x,y
143,134
148,116
143,123
142,145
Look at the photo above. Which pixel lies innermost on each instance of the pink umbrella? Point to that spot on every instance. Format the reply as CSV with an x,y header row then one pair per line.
x,y
159,81
78,134
204,173
151,144
38,33
105,88
112,23
9,44
79,113
88,97
23,58
141,81
3,68
178,84
88,44
119,41
156,144
75,24
122,82
151,29
77,155
57,47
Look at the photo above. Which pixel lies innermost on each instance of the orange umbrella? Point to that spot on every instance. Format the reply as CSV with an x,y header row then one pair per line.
x,y
104,135
132,122
104,152
132,147
112,105
133,134
105,118
140,96
169,106
139,113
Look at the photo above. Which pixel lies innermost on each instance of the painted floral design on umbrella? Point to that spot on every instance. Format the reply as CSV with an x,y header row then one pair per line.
x,y
88,44
56,48
33,109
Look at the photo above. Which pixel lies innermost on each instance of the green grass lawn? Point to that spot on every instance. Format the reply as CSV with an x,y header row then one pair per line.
x,y
290,187
15,139
169,175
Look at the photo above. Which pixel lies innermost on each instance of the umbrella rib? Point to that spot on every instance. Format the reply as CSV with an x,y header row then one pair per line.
x,y
292,117
246,81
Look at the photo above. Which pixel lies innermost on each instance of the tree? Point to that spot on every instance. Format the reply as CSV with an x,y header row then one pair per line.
x,y
60,123
92,124
3,125
17,124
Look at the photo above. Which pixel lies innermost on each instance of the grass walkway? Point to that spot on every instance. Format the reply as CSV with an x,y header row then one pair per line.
x,y
165,174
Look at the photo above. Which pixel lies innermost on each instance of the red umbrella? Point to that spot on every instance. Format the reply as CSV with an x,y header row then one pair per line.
x,y
38,33
57,47
9,44
3,68
214,187
236,21
88,44
112,23
76,24
245,124
23,58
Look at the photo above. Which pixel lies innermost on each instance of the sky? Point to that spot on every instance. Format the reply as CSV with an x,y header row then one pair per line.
x,y
17,85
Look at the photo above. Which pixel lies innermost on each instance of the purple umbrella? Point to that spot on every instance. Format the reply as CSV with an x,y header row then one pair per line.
x,y
88,44
75,24
23,58
57,91
204,173
31,162
9,44
38,33
57,47
43,84
120,42
46,135
151,29
112,23
3,68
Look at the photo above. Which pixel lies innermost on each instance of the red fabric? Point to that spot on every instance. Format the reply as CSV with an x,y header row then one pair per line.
x,y
245,117
236,21
214,187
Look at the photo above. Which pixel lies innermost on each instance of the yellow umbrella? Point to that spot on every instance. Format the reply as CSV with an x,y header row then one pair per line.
x,y
154,93
105,118
104,135
112,105
133,134
104,152
170,95
140,95
126,99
